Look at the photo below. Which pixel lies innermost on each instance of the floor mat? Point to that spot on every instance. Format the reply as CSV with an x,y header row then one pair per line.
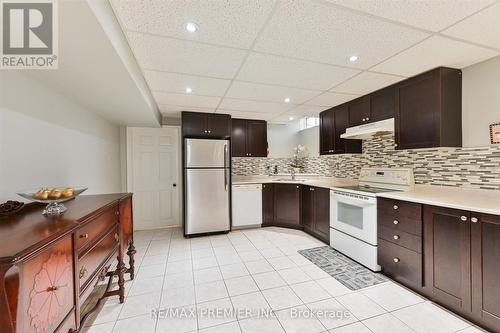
x,y
345,270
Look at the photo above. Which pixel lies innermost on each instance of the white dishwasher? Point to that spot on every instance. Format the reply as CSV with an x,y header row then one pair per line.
x,y
247,205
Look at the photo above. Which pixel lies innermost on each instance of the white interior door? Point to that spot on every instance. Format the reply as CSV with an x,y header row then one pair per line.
x,y
154,173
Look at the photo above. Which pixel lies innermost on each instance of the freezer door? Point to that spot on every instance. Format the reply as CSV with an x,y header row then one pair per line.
x,y
207,200
204,153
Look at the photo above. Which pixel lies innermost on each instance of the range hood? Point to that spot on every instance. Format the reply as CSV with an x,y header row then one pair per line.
x,y
369,130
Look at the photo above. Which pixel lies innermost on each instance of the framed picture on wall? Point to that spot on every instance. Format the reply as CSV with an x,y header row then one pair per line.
x,y
495,133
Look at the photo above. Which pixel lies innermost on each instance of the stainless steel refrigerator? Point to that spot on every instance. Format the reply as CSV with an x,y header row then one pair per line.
x,y
207,172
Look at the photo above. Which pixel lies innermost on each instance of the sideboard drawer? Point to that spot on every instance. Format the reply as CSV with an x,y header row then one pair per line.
x,y
400,264
96,256
401,238
95,228
397,208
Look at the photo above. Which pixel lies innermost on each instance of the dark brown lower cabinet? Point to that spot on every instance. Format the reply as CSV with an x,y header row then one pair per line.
x,y
316,212
459,265
447,248
485,252
267,204
287,205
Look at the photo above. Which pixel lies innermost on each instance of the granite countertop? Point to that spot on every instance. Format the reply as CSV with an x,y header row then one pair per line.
x,y
312,180
476,200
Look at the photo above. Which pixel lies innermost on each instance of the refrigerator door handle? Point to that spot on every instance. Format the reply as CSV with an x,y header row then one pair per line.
x,y
225,179
225,155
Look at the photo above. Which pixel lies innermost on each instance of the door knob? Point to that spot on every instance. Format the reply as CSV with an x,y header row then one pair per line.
x,y
463,218
474,219
395,222
396,237
395,207
396,260
174,185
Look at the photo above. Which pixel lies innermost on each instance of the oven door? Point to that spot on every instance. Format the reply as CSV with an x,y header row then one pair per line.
x,y
354,215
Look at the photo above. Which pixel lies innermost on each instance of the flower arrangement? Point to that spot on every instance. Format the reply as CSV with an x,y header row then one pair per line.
x,y
300,154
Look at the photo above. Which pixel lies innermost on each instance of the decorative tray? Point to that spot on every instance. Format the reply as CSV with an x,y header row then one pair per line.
x,y
10,207
53,197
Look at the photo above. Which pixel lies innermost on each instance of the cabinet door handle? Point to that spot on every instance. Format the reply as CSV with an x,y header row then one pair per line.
x,y
395,145
249,154
474,219
463,218
297,186
395,222
396,260
84,236
367,119
395,207
209,131
396,237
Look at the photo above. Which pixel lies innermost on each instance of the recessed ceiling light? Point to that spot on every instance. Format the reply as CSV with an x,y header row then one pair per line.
x,y
191,27
287,100
291,118
189,90
353,58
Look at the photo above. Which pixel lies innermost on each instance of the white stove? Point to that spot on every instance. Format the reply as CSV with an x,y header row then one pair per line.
x,y
353,212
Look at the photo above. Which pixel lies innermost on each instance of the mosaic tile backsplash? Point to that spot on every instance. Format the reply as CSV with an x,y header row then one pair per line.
x,y
464,167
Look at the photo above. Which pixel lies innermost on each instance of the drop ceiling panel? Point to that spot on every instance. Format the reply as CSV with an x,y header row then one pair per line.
x,y
230,23
366,82
434,52
177,83
186,99
329,99
263,68
432,15
261,92
247,115
254,106
176,109
482,28
306,110
173,55
324,33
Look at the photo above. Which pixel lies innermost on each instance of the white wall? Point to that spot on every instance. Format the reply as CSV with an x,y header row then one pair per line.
x,y
47,140
480,102
282,138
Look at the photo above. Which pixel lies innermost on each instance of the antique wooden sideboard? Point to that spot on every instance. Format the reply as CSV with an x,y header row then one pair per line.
x,y
49,266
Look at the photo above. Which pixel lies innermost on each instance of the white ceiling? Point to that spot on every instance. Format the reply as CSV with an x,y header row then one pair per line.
x,y
91,73
248,56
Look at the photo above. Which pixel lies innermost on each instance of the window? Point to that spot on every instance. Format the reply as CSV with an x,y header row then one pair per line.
x,y
308,122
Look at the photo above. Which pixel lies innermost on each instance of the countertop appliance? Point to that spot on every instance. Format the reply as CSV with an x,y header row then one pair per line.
x,y
353,212
247,205
207,176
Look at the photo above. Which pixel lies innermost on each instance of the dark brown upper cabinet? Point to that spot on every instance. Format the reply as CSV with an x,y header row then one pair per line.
x,y
326,132
206,125
333,123
249,138
382,104
359,111
429,110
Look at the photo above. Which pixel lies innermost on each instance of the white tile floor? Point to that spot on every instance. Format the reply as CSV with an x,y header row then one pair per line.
x,y
258,271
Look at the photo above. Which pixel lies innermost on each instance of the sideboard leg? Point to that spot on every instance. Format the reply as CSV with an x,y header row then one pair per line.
x,y
131,253
120,269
